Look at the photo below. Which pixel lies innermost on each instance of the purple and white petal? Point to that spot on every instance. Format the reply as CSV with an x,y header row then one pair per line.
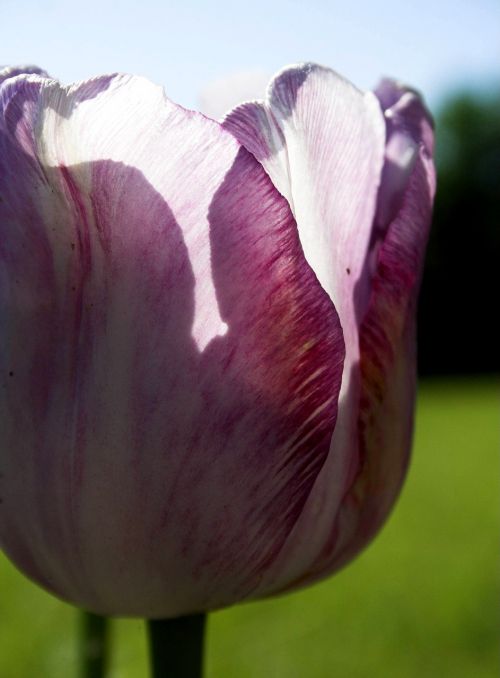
x,y
170,363
387,342
387,335
322,142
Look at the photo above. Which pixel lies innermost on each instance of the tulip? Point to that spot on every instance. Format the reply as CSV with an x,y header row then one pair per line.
x,y
207,333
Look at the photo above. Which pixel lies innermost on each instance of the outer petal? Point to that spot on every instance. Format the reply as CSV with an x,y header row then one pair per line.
x,y
170,364
387,334
322,142
388,367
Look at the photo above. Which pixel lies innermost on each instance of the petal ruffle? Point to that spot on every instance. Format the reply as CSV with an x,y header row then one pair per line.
x,y
171,365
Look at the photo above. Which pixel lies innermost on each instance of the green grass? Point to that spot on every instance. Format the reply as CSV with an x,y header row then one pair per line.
x,y
420,602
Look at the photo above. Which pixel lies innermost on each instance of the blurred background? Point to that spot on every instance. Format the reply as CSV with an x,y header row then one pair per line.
x,y
422,600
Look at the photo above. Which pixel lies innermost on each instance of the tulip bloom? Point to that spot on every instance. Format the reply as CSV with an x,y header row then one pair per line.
x,y
207,333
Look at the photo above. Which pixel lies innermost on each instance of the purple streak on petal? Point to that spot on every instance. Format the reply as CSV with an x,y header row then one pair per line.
x,y
293,352
28,284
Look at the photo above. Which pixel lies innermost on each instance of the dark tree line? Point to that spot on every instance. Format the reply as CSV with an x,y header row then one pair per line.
x,y
459,302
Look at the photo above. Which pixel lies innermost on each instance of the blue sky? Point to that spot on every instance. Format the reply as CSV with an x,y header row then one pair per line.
x,y
434,45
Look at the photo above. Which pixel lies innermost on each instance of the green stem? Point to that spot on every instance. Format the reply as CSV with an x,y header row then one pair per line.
x,y
93,645
176,646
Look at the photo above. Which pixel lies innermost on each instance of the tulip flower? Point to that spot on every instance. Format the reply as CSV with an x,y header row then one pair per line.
x,y
207,333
